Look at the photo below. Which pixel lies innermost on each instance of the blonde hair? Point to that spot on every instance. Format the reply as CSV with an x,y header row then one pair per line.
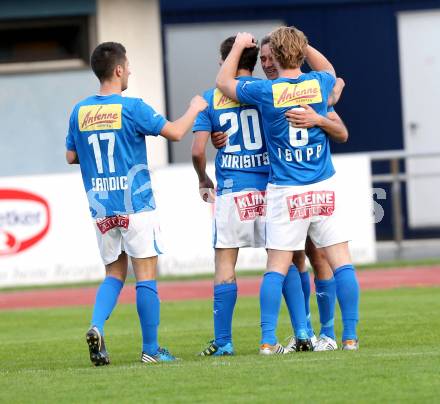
x,y
288,46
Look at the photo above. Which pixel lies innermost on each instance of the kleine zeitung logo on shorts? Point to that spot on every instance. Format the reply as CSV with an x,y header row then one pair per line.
x,y
309,204
251,205
24,220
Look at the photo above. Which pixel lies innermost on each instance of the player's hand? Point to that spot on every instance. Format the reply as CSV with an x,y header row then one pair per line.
x,y
245,40
206,190
218,139
304,117
198,103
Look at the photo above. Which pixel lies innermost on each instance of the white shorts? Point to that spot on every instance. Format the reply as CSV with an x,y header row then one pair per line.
x,y
137,234
293,212
239,220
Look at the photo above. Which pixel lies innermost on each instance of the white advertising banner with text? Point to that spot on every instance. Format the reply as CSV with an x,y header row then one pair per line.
x,y
46,232
187,221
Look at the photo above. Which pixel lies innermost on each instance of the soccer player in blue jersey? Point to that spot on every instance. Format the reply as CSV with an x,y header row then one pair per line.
x,y
107,138
302,195
237,230
324,281
241,170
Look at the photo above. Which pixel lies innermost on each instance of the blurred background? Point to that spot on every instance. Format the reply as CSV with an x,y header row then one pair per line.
x,y
387,51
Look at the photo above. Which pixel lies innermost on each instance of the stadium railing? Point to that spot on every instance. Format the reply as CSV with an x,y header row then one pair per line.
x,y
396,178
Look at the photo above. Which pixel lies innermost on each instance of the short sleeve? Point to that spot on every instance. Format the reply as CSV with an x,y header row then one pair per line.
x,y
70,138
327,82
330,108
147,120
203,120
249,92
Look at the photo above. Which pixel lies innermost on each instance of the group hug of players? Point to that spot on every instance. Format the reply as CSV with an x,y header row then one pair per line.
x,y
276,188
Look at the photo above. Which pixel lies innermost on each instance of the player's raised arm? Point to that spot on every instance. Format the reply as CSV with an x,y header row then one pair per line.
x,y
307,117
318,62
226,81
176,130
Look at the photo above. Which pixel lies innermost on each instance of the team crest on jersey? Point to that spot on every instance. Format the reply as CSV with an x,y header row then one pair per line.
x,y
251,205
309,204
99,117
290,95
221,101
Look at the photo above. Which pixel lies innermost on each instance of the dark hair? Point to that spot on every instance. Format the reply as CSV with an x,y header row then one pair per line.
x,y
265,40
248,58
105,58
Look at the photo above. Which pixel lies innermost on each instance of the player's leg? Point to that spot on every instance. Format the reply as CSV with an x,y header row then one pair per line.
x,y
225,297
109,290
299,260
115,261
283,236
296,293
142,242
278,263
325,287
331,232
347,286
148,308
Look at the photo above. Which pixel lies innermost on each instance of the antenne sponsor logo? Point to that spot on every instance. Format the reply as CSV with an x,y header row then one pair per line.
x,y
99,117
24,220
221,101
288,95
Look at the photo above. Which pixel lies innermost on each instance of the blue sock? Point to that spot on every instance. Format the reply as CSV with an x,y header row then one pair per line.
x,y
225,296
148,308
305,284
270,302
294,296
326,299
347,291
106,299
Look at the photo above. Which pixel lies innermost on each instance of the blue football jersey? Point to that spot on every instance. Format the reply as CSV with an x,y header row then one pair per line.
x,y
243,162
297,156
108,133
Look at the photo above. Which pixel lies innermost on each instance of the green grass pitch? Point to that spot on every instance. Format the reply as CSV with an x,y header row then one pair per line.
x,y
44,358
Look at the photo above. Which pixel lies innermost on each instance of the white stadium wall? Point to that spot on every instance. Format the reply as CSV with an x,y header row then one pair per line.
x,y
47,236
136,24
35,103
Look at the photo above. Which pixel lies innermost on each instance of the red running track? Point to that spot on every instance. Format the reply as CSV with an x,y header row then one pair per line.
x,y
185,290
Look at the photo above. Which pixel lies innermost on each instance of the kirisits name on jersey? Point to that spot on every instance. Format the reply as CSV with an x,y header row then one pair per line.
x,y
290,95
99,117
244,161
